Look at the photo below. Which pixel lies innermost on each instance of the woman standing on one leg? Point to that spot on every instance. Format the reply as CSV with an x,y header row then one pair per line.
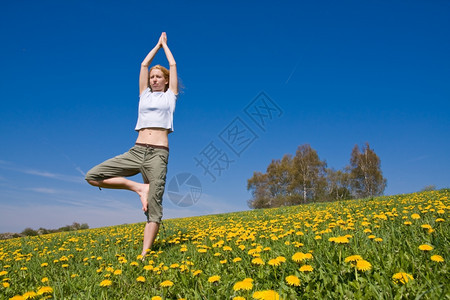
x,y
158,90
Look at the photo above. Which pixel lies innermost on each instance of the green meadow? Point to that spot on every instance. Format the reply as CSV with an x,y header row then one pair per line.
x,y
391,247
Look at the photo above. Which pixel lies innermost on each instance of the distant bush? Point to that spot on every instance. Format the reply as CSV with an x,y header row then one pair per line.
x,y
31,232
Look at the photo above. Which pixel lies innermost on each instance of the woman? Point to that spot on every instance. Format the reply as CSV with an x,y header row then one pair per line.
x,y
158,90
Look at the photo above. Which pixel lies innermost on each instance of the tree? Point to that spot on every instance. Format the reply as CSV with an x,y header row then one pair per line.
x,y
338,185
260,191
309,174
366,178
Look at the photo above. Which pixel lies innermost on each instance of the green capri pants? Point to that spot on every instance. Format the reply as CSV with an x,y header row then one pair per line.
x,y
149,160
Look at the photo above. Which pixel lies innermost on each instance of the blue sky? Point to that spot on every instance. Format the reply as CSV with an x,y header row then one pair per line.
x,y
339,72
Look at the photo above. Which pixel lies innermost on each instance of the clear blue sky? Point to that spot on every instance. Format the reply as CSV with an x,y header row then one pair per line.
x,y
341,73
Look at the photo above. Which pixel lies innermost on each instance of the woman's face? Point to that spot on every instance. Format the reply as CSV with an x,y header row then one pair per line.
x,y
157,80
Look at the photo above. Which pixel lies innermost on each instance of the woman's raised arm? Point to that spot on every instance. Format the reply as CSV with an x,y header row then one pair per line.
x,y
173,80
143,76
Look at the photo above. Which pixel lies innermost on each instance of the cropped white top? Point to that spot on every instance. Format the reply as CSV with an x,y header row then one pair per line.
x,y
156,109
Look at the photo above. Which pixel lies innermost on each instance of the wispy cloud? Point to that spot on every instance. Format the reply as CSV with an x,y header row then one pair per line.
x,y
42,173
44,190
423,157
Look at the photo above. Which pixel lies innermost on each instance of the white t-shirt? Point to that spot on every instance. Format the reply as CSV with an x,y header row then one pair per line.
x,y
156,109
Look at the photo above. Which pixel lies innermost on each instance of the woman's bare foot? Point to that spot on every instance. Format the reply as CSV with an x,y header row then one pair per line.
x,y
143,194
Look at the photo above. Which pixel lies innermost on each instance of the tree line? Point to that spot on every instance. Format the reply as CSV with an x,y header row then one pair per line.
x,y
31,232
305,178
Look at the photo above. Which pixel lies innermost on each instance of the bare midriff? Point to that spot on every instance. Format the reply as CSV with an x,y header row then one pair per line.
x,y
154,136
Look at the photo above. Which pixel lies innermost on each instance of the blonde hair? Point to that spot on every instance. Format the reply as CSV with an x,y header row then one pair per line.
x,y
166,75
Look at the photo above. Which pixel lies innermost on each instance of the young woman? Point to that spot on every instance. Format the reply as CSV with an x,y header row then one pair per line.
x,y
158,90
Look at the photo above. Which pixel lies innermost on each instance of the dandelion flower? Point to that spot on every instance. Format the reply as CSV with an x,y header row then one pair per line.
x,y
140,279
29,295
17,297
106,282
407,223
363,265
195,273
378,240
6,284
306,268
44,265
215,278
440,220
437,258
258,261
425,247
402,277
243,285
238,298
45,290
156,298
415,216
274,262
166,283
298,256
281,259
426,226
266,295
293,280
237,259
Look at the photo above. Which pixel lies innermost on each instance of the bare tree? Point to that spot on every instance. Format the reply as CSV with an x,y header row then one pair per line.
x,y
365,173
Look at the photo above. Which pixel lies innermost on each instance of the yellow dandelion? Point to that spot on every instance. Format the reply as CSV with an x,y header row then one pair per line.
x,y
306,268
274,262
183,249
378,240
215,278
237,259
363,265
437,258
45,290
293,280
3,273
74,275
227,248
425,247
407,223
281,259
202,250
140,279
195,273
426,226
117,272
298,256
29,295
148,268
166,283
106,282
371,236
415,216
439,220
243,285
317,237
224,261
44,265
156,298
266,295
17,297
134,264
44,280
258,261
402,277
238,298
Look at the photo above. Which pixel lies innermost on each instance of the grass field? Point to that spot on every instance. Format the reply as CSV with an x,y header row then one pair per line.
x,y
393,247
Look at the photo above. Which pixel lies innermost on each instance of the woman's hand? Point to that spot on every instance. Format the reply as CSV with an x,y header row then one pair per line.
x,y
163,39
